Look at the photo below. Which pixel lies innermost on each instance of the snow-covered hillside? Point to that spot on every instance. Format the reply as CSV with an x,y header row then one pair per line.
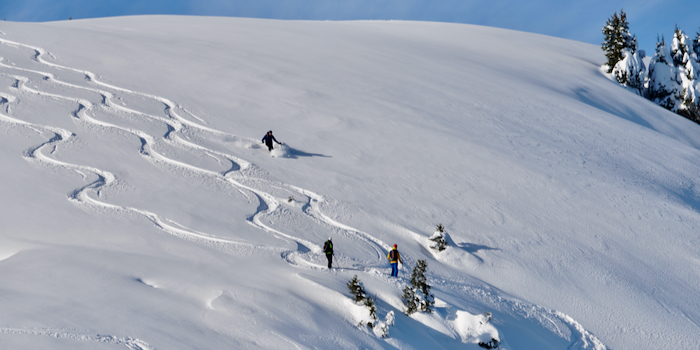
x,y
140,210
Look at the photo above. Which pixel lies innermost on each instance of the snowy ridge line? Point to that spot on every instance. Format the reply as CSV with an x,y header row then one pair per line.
x,y
82,198
131,343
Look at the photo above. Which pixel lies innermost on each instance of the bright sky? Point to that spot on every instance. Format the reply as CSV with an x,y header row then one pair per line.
x,y
577,20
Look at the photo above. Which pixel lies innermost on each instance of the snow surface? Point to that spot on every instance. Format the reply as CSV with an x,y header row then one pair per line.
x,y
140,210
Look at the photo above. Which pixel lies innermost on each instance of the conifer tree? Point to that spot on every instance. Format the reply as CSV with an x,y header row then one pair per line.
x,y
355,287
409,298
358,292
694,58
684,60
609,45
679,48
694,108
384,326
438,237
417,296
617,38
369,303
661,79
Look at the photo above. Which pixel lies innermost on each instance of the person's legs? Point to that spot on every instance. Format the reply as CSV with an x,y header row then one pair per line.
x,y
269,146
330,260
395,269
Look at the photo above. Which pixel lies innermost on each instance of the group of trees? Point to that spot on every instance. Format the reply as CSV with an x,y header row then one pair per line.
x,y
673,77
358,292
417,295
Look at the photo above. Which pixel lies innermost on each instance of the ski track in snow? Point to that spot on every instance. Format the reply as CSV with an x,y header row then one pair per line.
x,y
131,343
556,322
239,177
176,125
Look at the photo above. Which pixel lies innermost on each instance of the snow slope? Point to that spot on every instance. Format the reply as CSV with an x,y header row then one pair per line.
x,y
140,210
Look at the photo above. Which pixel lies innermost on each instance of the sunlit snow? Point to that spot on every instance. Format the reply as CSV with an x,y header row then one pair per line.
x,y
140,209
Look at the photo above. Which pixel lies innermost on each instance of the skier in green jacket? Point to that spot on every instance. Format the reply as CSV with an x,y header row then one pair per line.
x,y
328,249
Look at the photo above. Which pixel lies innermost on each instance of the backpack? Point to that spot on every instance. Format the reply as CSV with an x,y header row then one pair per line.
x,y
327,247
392,255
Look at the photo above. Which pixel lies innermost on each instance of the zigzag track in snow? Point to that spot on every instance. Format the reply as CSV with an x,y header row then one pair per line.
x,y
82,197
176,125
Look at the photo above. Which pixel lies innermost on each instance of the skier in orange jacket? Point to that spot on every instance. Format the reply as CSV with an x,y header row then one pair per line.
x,y
394,258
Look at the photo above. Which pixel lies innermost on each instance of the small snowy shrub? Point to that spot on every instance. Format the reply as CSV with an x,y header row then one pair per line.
x,y
630,71
440,243
359,294
492,344
382,328
355,287
417,296
291,199
409,298
369,303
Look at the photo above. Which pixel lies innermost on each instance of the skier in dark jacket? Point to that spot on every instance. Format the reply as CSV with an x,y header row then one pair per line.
x,y
328,249
268,138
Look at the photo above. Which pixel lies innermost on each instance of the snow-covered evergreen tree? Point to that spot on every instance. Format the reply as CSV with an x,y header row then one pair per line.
x,y
631,71
617,39
383,327
493,344
625,62
679,47
694,60
439,239
369,303
358,292
410,300
694,65
673,80
662,86
685,62
356,289
417,296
